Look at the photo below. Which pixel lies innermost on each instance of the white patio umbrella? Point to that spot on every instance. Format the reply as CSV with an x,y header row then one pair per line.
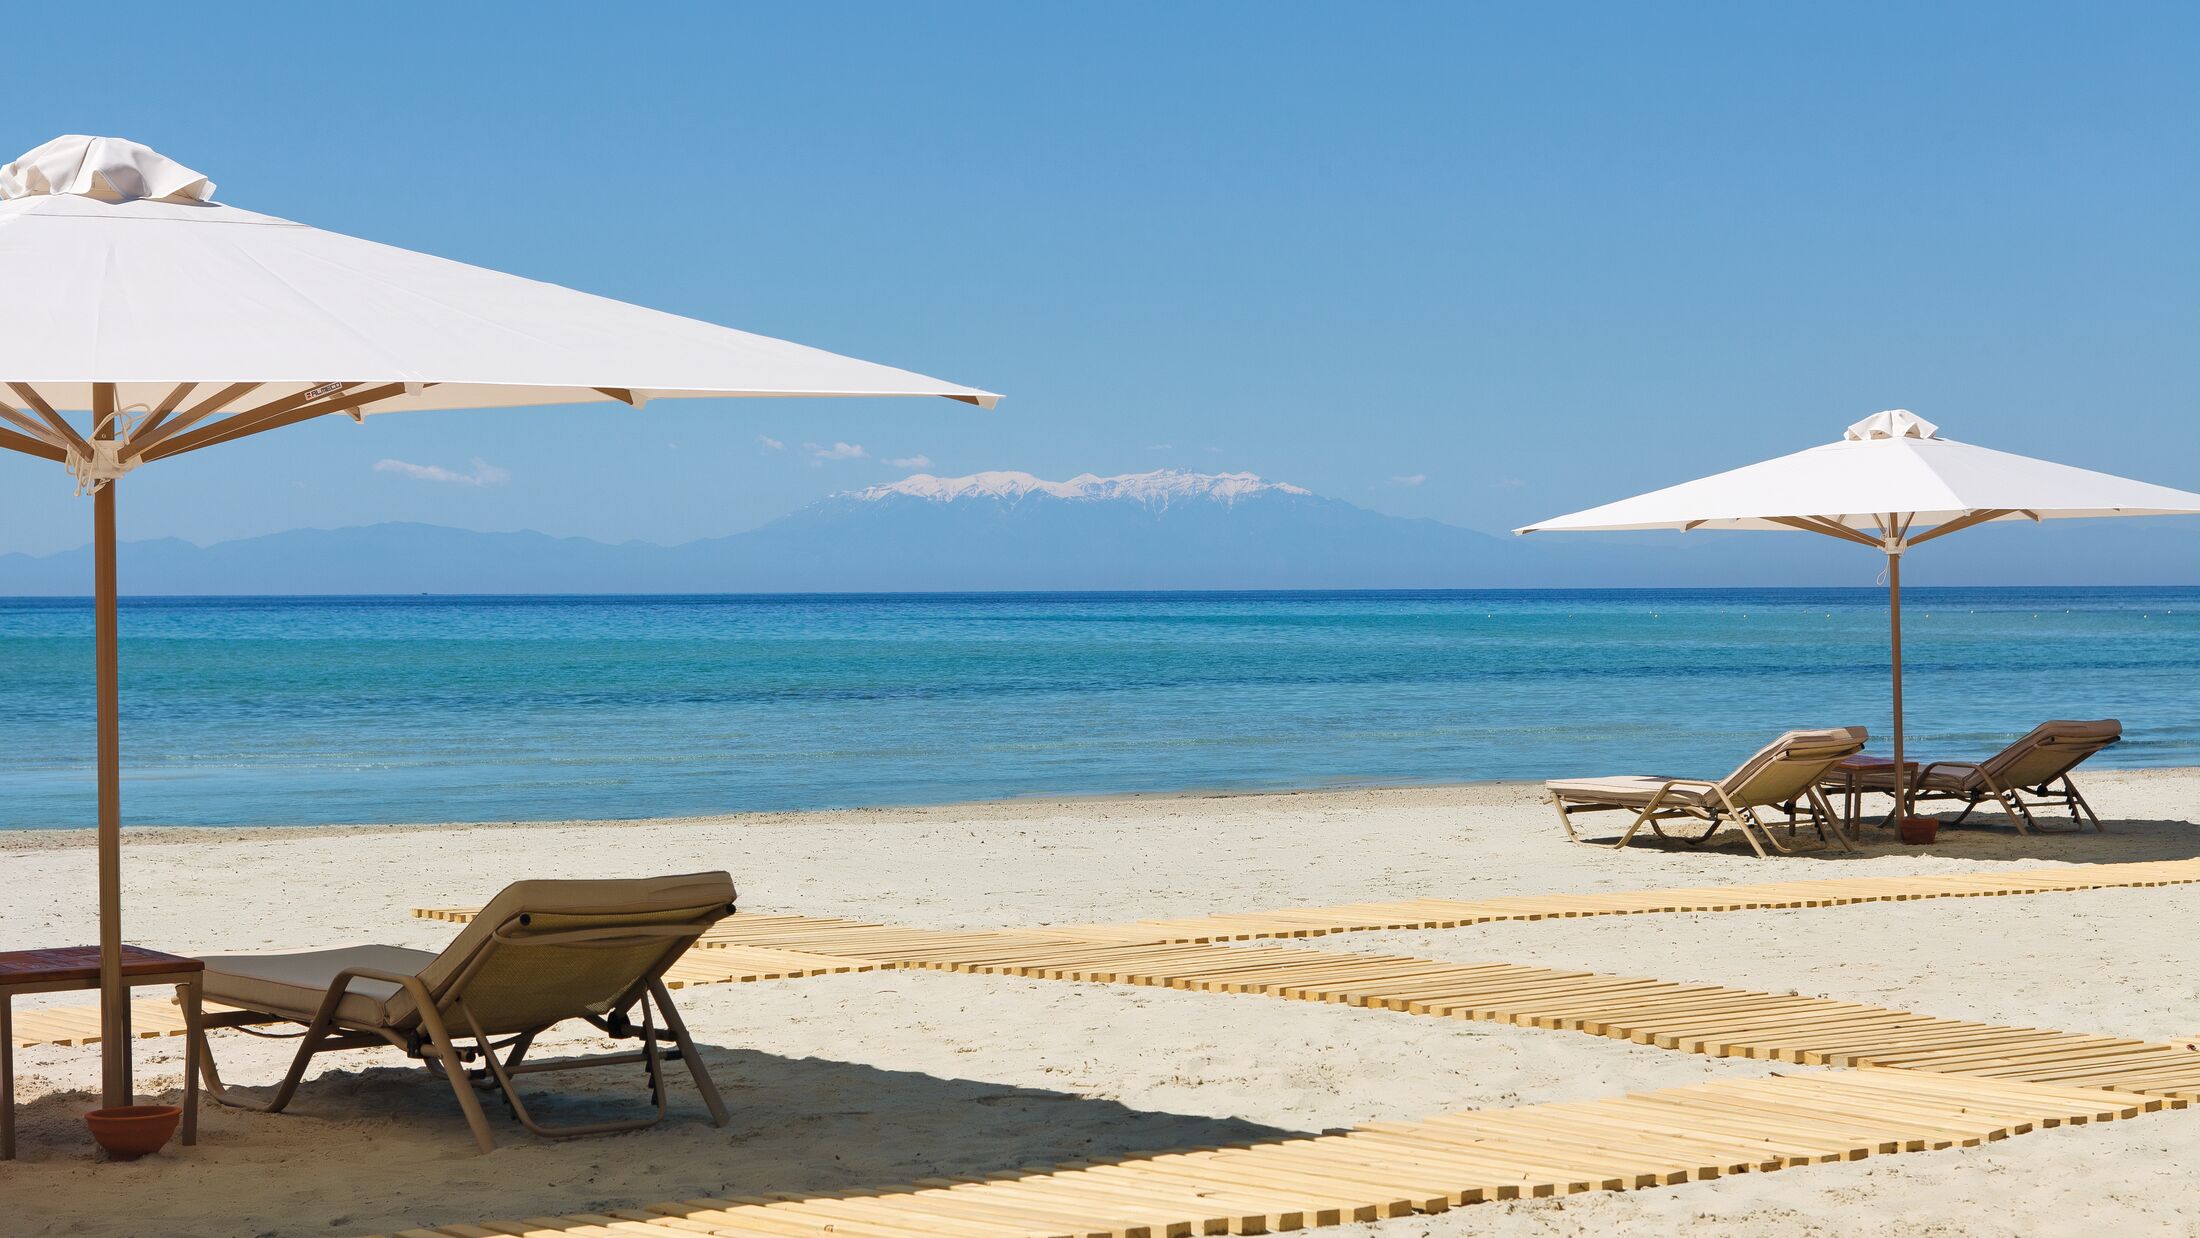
x,y
178,322
1890,483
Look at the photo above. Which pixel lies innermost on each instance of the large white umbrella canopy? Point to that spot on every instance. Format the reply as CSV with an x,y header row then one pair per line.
x,y
177,322
1890,474
1890,483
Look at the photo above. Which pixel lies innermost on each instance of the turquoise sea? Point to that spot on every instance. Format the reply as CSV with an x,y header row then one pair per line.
x,y
315,710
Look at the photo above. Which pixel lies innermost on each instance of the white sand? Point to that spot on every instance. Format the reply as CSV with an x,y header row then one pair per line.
x,y
881,1078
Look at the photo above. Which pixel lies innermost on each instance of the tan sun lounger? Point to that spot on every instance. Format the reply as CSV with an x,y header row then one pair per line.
x,y
1782,774
541,953
2029,767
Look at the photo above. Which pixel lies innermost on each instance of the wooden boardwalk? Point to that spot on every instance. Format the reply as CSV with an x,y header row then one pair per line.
x,y
1915,1082
1399,1168
1443,913
1695,1018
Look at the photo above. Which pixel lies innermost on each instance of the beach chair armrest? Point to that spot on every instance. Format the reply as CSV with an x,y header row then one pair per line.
x,y
340,984
1926,771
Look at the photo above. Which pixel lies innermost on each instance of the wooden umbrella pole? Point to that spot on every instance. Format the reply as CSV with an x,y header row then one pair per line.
x,y
1894,619
114,1000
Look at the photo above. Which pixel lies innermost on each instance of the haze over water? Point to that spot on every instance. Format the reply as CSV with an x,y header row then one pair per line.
x,y
319,710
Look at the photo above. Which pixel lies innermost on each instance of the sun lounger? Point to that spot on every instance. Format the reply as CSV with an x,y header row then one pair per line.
x,y
541,953
1784,774
2030,767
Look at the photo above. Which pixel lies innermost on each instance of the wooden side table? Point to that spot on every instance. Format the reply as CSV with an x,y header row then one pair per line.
x,y
77,967
1848,776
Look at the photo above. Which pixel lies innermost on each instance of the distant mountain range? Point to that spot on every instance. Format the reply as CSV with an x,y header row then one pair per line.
x,y
1159,530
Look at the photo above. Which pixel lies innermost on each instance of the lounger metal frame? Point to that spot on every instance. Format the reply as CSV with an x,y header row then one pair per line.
x,y
425,1035
2012,800
1744,817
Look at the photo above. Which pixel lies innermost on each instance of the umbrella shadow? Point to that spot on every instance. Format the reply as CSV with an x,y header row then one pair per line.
x,y
384,1148
2124,841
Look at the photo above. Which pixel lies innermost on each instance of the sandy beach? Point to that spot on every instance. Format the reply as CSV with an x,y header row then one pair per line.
x,y
883,1078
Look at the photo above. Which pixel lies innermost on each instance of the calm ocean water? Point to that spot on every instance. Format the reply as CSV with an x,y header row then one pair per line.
x,y
315,710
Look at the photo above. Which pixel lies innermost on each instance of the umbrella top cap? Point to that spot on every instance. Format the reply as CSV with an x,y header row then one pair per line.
x,y
108,169
1894,423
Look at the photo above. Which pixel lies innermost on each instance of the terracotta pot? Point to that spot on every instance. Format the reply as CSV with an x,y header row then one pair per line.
x,y
131,1131
1918,831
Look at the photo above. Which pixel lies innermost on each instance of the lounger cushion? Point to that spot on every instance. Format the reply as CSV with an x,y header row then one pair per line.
x,y
1629,790
1946,778
292,983
636,895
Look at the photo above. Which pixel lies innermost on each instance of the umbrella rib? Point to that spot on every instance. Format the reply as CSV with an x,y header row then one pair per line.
x,y
32,446
166,407
60,424
147,439
237,423
1813,525
1962,522
35,429
273,416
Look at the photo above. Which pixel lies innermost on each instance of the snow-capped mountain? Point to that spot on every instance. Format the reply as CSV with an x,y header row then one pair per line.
x,y
1158,488
1008,530
996,530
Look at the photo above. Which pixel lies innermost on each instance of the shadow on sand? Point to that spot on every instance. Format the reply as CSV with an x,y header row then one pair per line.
x,y
383,1148
1980,838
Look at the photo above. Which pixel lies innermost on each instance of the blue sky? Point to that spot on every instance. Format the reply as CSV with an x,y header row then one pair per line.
x,y
1452,261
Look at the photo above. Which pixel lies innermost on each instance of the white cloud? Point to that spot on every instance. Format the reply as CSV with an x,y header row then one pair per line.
x,y
1410,479
838,451
768,443
918,461
484,473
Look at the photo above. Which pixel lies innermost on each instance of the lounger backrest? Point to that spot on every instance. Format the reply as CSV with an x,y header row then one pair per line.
x,y
543,951
1790,765
2049,751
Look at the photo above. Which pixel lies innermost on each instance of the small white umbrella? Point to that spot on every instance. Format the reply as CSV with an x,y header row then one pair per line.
x,y
179,322
1891,483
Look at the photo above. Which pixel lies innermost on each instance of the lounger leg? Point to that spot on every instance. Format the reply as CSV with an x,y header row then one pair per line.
x,y
1967,810
439,1039
2012,803
1564,818
1741,822
2079,800
308,1045
701,1074
1640,818
1765,831
1825,810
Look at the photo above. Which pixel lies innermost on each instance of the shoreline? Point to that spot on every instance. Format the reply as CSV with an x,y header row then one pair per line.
x,y
39,839
1487,792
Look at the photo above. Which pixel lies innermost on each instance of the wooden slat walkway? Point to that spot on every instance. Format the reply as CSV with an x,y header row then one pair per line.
x,y
150,1019
1695,1018
1441,913
1400,1168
